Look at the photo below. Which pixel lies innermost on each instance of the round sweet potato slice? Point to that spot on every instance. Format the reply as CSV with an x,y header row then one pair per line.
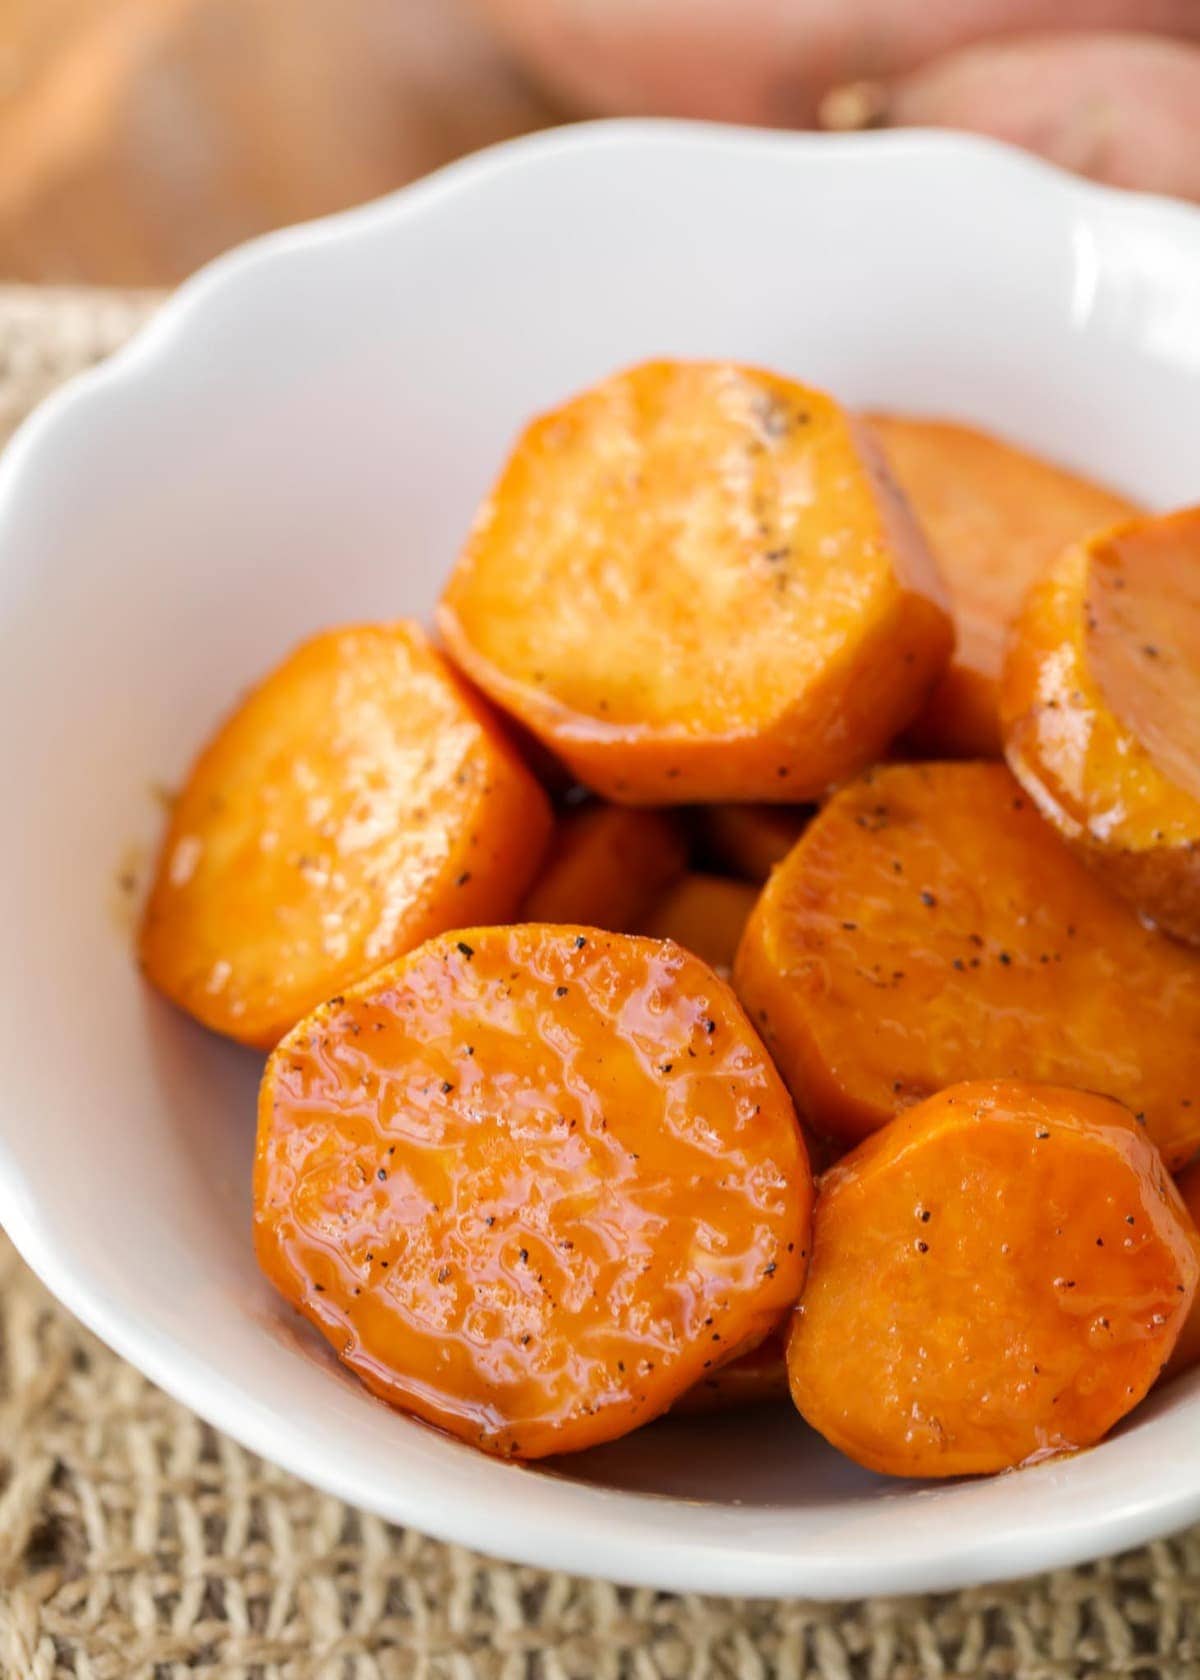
x,y
996,517
930,927
752,1379
695,582
606,866
358,801
532,1182
1101,703
997,1277
707,914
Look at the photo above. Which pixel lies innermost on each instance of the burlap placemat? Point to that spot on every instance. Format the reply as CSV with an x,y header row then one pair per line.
x,y
135,1542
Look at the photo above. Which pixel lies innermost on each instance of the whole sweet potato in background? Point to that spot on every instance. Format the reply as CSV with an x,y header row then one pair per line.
x,y
759,61
996,1277
1100,704
1120,108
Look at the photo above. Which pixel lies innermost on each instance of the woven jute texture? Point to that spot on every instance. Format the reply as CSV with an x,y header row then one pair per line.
x,y
137,1543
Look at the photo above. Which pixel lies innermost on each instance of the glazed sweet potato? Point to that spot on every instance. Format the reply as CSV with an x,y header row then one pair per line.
x,y
359,800
995,517
706,914
1187,1349
752,1379
996,1277
1101,709
694,582
749,840
930,927
532,1183
607,865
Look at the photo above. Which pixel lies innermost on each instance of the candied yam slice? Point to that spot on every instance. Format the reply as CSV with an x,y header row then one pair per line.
x,y
1101,705
706,914
749,840
995,517
752,1379
532,1182
996,1277
930,927
1187,1349
360,799
606,866
695,582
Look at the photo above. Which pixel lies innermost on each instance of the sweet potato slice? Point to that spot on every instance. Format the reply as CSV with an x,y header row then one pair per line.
x,y
930,927
606,866
995,517
532,1182
706,914
694,582
749,840
1187,1349
359,800
752,1379
1101,704
996,1277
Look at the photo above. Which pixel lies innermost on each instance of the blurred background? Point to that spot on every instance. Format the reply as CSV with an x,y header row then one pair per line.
x,y
140,137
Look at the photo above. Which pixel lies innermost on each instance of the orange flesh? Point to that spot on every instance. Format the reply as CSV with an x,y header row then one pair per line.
x,y
706,914
606,866
532,1183
694,582
359,800
1142,639
1101,702
996,1277
995,517
930,927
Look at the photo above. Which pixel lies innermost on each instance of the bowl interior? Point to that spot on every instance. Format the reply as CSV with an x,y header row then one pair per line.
x,y
302,441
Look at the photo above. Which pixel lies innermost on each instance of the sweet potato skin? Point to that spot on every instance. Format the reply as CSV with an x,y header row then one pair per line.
x,y
532,1183
696,582
996,516
749,840
360,799
1117,107
930,927
1101,710
752,1379
706,914
997,1277
607,866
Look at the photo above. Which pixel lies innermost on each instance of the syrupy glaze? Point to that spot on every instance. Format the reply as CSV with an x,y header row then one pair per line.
x,y
532,1182
996,1278
931,927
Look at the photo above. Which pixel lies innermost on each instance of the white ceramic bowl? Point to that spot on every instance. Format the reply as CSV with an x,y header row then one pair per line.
x,y
301,438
